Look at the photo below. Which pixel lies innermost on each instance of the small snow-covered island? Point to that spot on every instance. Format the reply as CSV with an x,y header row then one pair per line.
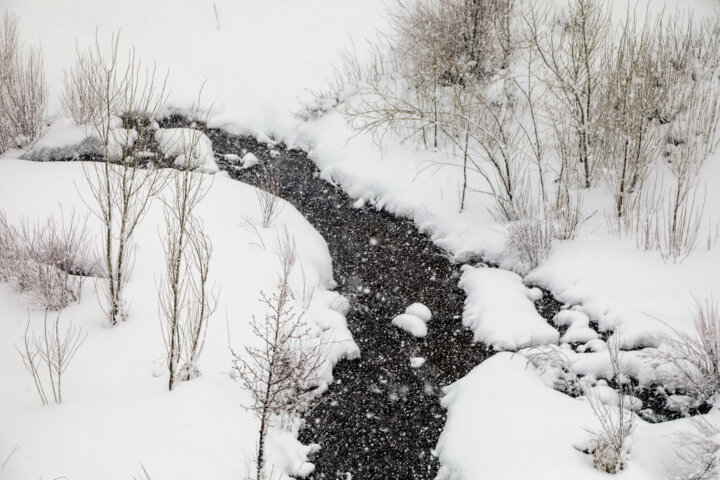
x,y
367,240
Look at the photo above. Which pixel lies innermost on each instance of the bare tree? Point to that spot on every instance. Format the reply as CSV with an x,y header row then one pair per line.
x,y
186,299
570,45
129,99
78,97
50,351
23,90
279,373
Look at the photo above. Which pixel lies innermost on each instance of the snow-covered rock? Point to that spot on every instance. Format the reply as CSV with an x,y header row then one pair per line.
x,y
500,310
411,324
249,160
189,147
417,362
419,310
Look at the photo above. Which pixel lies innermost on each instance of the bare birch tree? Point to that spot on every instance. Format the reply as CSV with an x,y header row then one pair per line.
x,y
186,299
129,98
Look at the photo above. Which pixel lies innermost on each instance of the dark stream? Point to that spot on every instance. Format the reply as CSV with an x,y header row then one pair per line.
x,y
381,418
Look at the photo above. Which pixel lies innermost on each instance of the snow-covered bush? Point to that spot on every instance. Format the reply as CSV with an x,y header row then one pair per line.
x,y
45,260
694,357
23,91
700,450
615,418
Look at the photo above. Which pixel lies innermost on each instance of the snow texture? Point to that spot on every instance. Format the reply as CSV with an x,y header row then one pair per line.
x,y
418,309
411,324
500,310
116,410
178,143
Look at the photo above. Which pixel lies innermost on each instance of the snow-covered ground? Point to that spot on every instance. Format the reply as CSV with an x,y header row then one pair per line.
x,y
260,60
116,411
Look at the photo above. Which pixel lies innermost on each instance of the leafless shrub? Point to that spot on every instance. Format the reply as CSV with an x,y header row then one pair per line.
x,y
615,420
120,187
569,45
700,450
281,372
664,219
694,357
79,97
186,299
23,90
268,194
552,360
45,259
637,80
536,223
51,351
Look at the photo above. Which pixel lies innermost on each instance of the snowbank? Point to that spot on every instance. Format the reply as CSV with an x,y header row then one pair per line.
x,y
504,423
500,310
117,412
177,143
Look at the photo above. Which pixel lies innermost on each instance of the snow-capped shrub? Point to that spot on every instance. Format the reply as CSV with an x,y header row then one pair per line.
x,y
700,450
23,91
694,357
45,260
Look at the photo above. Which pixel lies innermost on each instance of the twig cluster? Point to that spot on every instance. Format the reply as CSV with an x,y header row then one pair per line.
x,y
23,90
47,355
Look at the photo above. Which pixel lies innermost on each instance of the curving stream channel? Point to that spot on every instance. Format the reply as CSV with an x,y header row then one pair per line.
x,y
381,418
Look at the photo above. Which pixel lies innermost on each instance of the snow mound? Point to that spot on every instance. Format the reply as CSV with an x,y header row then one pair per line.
x,y
501,416
411,324
419,310
499,309
567,318
61,141
175,141
417,362
249,160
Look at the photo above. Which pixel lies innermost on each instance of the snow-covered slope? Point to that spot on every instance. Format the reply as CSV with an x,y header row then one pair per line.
x,y
116,411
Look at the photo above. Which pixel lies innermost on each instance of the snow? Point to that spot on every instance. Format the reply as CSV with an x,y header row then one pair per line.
x,y
411,324
117,412
504,423
500,311
418,309
417,362
249,160
257,60
177,143
261,60
62,140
